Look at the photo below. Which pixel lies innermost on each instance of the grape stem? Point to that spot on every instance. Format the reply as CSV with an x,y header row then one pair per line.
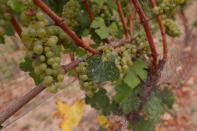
x,y
163,32
60,22
89,10
16,25
122,17
144,21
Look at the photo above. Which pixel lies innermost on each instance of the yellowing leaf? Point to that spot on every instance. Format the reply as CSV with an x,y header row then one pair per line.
x,y
103,121
70,114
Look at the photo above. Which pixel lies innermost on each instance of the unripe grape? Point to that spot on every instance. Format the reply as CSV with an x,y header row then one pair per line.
x,y
50,61
38,49
42,32
48,80
43,67
83,77
42,58
40,16
55,66
52,41
47,49
60,77
52,88
49,54
49,71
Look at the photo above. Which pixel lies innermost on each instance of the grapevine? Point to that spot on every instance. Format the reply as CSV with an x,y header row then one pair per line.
x,y
122,52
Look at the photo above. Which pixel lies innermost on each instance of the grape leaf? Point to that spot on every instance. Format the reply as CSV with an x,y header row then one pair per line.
x,y
154,107
100,71
100,27
122,91
16,5
27,67
71,115
167,97
2,41
143,125
100,101
131,102
136,74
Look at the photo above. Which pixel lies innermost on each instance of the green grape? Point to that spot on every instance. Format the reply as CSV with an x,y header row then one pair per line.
x,y
52,41
42,32
43,67
50,61
49,71
60,77
40,16
55,66
49,54
38,49
42,58
48,80
52,88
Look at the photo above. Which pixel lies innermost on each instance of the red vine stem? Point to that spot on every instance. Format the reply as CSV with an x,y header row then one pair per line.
x,y
59,21
163,32
88,9
122,17
132,21
144,21
16,25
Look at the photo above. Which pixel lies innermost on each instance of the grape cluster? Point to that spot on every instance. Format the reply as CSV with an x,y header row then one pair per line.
x,y
168,7
172,28
71,13
85,83
42,44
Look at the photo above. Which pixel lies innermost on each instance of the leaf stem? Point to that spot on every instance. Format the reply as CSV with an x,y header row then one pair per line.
x,y
144,21
59,21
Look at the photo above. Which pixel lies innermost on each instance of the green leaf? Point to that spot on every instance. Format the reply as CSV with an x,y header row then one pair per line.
x,y
113,29
122,91
103,32
100,27
97,23
143,125
131,102
27,67
154,107
137,73
167,97
100,101
131,79
100,71
2,41
16,5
